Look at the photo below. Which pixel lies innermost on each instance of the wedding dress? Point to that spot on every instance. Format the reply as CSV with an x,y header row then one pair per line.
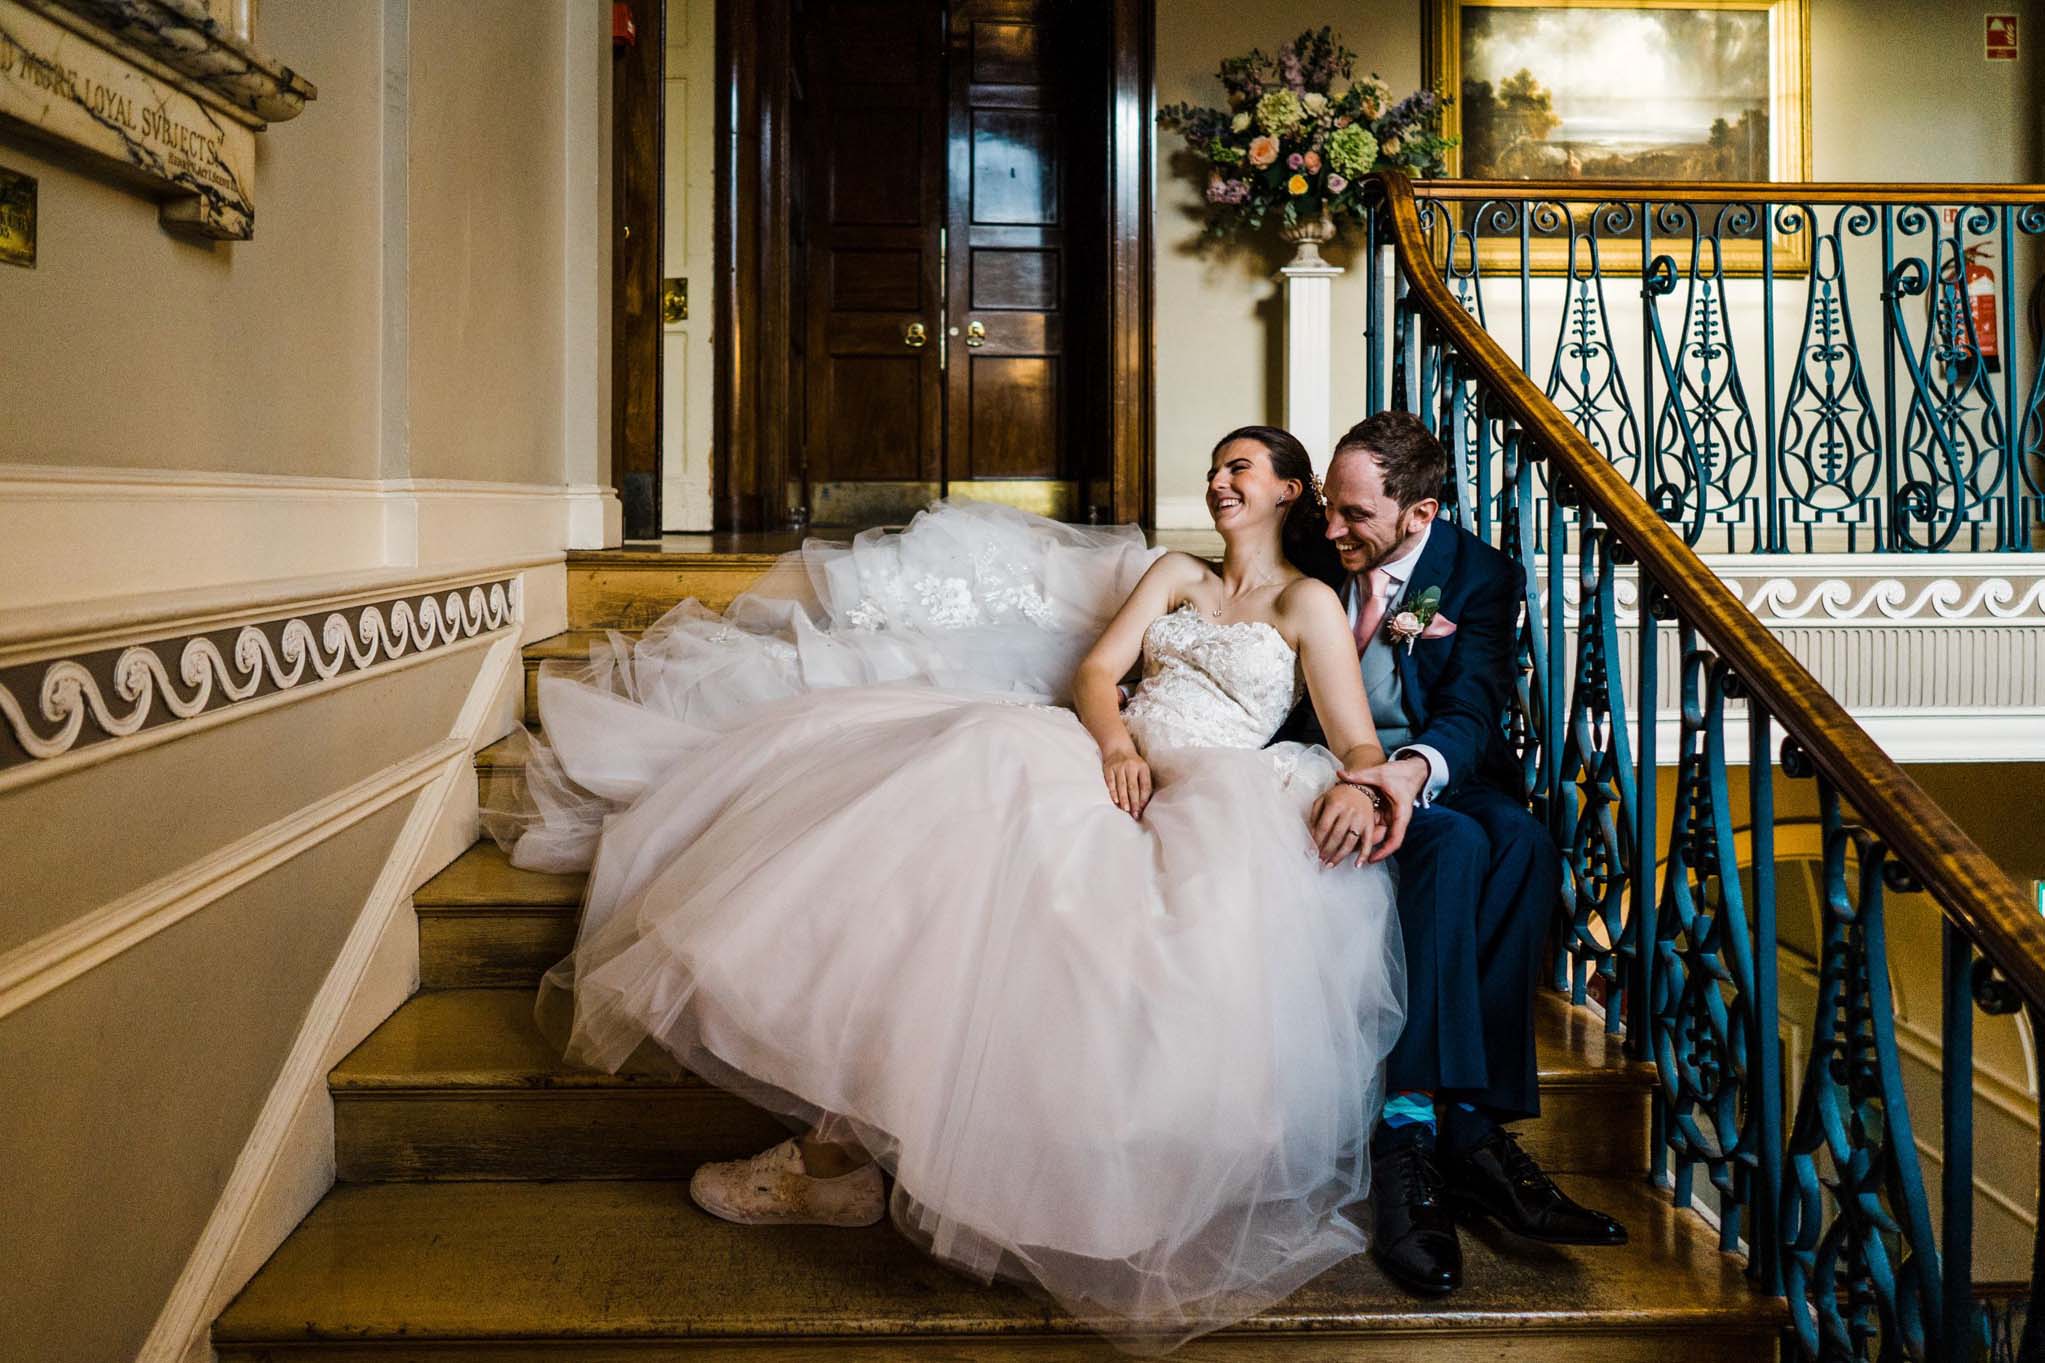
x,y
855,864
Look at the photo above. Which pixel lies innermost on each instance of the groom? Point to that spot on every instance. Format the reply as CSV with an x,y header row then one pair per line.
x,y
1435,613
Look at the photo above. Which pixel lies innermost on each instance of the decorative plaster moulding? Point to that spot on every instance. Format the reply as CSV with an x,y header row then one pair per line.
x,y
89,703
160,92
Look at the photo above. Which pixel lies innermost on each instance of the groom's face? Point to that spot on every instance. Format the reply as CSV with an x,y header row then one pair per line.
x,y
1366,524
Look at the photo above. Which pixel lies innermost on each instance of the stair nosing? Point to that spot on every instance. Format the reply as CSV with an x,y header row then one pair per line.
x,y
1731,1305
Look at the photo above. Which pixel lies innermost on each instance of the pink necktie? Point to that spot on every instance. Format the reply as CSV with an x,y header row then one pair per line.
x,y
1370,611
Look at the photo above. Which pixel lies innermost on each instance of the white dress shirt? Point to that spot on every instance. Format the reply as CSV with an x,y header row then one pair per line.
x,y
1398,572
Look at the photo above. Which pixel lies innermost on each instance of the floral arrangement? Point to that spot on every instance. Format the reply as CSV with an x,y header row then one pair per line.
x,y
1290,141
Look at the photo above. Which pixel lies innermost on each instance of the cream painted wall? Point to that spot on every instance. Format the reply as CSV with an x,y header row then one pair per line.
x,y
487,247
1218,323
148,1070
425,300
146,1075
412,304
129,347
1902,92
1899,92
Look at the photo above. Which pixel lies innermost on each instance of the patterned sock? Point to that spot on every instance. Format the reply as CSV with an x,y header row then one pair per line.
x,y
1466,1127
1408,1119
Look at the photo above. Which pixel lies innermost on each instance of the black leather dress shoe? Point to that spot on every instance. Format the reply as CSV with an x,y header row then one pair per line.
x,y
1496,1178
1416,1242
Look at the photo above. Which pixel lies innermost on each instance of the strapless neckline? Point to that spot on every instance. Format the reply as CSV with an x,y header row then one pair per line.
x,y
1225,625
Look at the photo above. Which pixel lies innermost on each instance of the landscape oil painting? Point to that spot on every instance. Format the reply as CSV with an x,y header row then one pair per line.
x,y
1624,89
1553,93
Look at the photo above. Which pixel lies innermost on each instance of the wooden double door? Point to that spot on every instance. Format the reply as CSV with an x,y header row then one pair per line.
x,y
950,243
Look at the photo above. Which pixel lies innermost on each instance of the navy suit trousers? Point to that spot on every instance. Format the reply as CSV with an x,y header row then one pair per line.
x,y
1478,882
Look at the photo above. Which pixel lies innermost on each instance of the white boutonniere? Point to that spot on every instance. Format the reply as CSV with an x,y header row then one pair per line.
x,y
1409,624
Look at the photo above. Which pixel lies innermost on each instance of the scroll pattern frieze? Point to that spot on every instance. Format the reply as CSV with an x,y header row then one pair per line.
x,y
59,706
1964,643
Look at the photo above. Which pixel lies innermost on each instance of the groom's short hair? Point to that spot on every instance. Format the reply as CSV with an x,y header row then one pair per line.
x,y
1412,462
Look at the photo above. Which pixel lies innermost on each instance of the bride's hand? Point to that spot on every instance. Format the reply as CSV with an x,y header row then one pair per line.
x,y
1400,783
1344,821
1128,777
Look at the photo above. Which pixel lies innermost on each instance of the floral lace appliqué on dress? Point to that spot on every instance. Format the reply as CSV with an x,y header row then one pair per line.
x,y
1211,685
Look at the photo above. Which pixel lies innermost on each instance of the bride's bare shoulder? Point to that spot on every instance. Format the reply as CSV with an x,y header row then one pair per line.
x,y
1306,599
1177,568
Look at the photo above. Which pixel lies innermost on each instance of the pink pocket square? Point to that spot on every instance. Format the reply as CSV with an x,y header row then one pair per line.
x,y
1440,627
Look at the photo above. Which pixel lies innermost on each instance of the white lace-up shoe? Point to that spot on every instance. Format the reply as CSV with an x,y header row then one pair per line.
x,y
773,1188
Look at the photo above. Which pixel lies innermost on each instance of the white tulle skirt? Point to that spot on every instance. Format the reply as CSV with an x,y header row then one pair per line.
x,y
1134,1063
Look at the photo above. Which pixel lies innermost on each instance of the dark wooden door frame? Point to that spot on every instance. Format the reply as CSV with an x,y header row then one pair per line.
x,y
754,472
638,99
753,425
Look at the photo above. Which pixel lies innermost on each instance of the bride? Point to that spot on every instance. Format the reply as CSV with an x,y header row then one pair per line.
x,y
1106,989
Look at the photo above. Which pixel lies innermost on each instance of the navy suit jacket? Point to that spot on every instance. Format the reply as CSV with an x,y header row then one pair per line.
x,y
1456,687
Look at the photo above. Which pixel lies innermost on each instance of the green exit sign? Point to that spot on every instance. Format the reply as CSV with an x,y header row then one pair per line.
x,y
2038,888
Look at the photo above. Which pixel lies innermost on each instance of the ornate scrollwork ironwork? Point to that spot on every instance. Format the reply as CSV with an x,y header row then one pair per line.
x,y
1860,1264
1706,453
1938,441
1597,767
1706,1023
1586,378
1681,934
1950,454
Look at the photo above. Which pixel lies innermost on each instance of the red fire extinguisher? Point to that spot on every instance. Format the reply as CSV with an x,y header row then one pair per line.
x,y
1975,291
1981,302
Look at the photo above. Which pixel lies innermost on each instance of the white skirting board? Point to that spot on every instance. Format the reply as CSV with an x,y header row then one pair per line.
x,y
78,534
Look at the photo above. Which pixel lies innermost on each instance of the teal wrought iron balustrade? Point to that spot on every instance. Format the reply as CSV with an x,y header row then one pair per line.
x,y
1830,1208
1777,367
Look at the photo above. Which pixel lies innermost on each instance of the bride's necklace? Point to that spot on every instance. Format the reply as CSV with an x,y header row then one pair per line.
x,y
1222,609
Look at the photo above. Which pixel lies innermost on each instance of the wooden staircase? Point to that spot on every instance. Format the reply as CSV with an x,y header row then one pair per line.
x,y
495,1204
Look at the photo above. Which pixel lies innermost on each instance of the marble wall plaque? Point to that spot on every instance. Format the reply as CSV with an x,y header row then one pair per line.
x,y
67,79
17,218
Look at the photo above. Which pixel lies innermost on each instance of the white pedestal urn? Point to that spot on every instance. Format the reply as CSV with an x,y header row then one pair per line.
x,y
1309,284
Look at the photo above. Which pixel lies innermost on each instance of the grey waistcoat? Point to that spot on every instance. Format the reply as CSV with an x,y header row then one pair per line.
x,y
1387,694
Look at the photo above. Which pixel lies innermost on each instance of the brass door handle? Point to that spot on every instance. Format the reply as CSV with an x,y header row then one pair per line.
x,y
914,336
674,301
976,335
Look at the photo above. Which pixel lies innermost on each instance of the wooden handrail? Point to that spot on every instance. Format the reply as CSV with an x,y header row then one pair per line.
x,y
1973,891
1730,191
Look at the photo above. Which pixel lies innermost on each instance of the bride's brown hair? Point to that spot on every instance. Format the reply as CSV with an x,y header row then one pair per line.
x,y
1302,537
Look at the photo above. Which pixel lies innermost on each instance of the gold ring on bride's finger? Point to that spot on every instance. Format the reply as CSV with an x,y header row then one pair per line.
x,y
1352,833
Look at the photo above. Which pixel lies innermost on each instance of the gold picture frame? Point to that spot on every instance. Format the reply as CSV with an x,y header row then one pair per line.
x,y
1788,115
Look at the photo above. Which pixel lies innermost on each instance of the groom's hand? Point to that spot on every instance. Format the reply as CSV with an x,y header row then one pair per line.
x,y
1400,783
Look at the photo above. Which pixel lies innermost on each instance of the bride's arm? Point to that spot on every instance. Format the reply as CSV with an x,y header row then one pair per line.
x,y
1327,653
1093,687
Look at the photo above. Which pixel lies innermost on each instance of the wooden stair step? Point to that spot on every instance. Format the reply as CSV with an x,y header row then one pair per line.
x,y
483,877
461,1084
631,1270
483,922
500,771
630,589
571,646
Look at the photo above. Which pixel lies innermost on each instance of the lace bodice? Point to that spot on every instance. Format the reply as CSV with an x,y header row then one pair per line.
x,y
1211,685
